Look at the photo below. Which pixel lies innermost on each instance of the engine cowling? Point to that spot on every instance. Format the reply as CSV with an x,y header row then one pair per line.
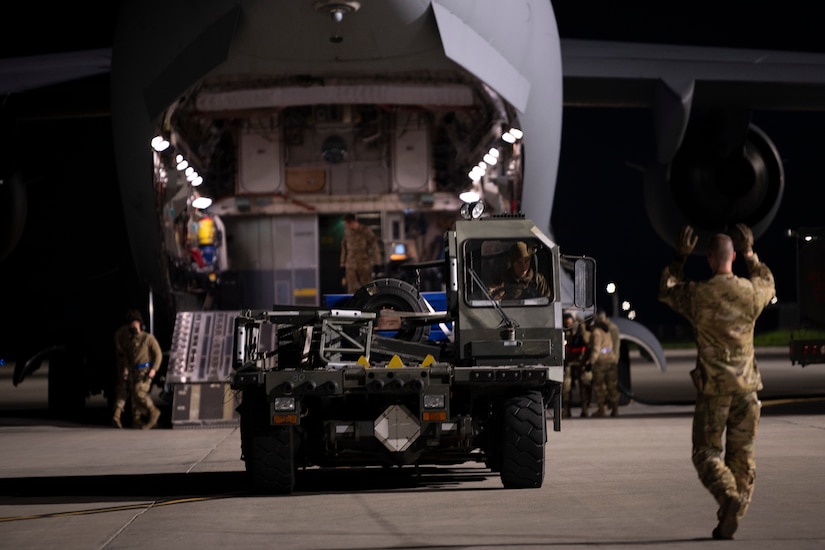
x,y
716,180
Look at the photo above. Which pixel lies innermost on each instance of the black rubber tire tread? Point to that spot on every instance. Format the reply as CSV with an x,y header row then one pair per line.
x,y
254,421
397,294
525,433
273,462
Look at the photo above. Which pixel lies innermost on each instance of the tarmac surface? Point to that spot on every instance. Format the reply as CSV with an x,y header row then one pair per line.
x,y
624,482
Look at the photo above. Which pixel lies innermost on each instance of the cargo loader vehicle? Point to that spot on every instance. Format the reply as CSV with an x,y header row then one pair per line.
x,y
367,384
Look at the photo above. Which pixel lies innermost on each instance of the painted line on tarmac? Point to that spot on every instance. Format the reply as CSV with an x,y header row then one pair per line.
x,y
115,508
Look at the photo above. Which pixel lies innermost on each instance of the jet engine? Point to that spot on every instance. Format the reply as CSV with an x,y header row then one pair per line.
x,y
726,171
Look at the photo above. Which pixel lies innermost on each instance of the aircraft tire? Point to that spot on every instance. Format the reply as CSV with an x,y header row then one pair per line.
x,y
525,433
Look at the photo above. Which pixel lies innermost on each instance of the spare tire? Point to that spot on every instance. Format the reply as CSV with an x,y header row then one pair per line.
x,y
396,295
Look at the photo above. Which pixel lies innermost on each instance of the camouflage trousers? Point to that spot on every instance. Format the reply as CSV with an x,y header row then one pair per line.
x,y
121,388
737,417
606,384
357,276
573,373
142,404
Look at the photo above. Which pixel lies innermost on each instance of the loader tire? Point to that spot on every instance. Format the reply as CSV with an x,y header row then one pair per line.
x,y
272,467
254,421
525,433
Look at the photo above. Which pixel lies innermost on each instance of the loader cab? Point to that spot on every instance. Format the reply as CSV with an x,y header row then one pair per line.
x,y
503,317
512,272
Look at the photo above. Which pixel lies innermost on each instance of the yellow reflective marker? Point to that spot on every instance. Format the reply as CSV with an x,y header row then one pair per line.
x,y
363,362
429,360
395,362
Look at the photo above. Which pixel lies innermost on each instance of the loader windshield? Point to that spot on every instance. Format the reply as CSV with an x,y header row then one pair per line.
x,y
510,272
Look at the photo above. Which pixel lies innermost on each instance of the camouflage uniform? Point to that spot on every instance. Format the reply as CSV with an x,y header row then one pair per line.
x,y
574,348
613,378
602,357
531,285
121,375
723,311
359,253
138,354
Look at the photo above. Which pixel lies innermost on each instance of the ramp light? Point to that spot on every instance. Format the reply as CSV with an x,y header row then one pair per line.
x,y
469,196
476,173
202,203
512,135
159,143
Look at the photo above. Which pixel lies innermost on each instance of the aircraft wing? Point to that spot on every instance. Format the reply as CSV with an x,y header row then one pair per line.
x,y
672,78
20,74
712,167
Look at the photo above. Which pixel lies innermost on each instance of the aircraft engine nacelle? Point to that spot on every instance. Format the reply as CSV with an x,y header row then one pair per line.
x,y
718,178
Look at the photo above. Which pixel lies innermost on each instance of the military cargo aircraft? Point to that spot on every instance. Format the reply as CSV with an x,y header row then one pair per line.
x,y
289,114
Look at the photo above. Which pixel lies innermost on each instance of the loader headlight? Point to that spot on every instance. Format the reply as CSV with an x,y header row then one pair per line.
x,y
284,404
434,401
472,210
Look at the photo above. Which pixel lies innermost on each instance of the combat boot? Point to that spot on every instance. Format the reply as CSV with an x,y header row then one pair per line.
x,y
615,411
565,412
600,411
585,406
728,515
154,415
116,418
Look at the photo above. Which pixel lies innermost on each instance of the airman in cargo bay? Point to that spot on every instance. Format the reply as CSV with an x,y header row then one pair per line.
x,y
360,254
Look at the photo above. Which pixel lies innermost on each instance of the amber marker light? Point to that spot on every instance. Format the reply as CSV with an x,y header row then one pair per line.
x,y
285,419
